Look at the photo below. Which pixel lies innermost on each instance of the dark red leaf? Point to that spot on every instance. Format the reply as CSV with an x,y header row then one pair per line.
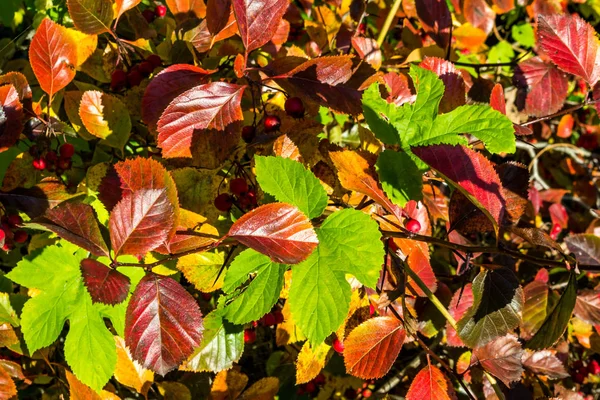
x,y
542,88
471,172
163,324
109,190
166,86
455,91
11,118
515,183
141,222
479,14
210,106
105,285
258,20
559,215
279,230
332,70
372,347
76,223
502,358
571,43
430,384
436,20
585,247
460,303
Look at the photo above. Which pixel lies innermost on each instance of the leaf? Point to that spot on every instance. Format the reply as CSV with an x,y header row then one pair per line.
x,y
455,89
79,391
278,230
319,297
372,348
417,259
461,301
141,222
471,173
105,117
213,105
264,389
184,9
217,14
542,88
587,306
257,297
8,389
228,385
310,362
128,372
121,6
105,285
557,320
368,50
430,384
91,16
502,358
53,55
497,100
11,117
7,312
571,43
166,86
164,324
585,247
534,308
436,20
203,40
222,345
376,111
496,310
202,269
544,362
289,182
258,20
479,14
400,177
76,223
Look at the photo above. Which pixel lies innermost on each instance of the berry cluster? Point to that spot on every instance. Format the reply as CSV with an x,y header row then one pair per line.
x,y
581,371
363,392
158,12
52,161
120,79
243,196
9,232
275,317
311,387
294,107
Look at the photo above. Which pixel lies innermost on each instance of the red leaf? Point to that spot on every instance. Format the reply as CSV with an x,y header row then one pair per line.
x,y
141,222
332,70
544,362
502,358
399,89
279,230
372,347
53,56
11,123
76,223
19,81
105,285
559,215
471,172
430,384
436,20
587,306
217,14
571,43
203,40
163,324
497,100
166,86
210,106
455,89
368,50
479,14
417,257
503,6
542,88
460,303
258,20
186,9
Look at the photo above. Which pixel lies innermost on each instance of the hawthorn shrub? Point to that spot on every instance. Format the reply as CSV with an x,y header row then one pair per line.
x,y
262,199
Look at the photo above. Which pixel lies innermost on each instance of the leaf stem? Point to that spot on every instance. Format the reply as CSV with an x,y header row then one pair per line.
x,y
388,22
495,385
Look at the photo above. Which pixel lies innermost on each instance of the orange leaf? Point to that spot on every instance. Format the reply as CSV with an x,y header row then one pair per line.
x,y
184,9
11,124
8,389
430,384
228,385
264,389
128,372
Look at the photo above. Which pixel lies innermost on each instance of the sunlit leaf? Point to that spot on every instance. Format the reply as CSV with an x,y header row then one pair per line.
x,y
430,384
91,16
184,9
258,20
129,372
501,357
461,301
455,89
534,308
11,116
544,362
228,385
400,177
105,117
105,285
310,362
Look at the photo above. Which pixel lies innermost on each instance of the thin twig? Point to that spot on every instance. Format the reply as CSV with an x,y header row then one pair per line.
x,y
388,22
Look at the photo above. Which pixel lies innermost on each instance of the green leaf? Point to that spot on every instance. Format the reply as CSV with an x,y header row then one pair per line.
x,y
523,34
502,52
492,127
349,243
400,177
222,345
496,309
557,320
289,182
7,312
376,111
258,297
90,348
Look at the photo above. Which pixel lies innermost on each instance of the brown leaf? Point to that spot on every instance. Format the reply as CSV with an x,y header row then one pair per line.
x,y
217,14
91,16
502,358
8,337
264,389
544,362
78,390
587,306
228,385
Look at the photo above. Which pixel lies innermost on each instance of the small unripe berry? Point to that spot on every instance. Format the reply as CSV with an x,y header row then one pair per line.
x,y
248,133
412,225
67,150
223,202
160,10
294,107
272,123
338,345
249,336
238,186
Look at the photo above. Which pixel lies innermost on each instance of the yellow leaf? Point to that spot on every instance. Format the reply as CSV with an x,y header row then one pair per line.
x,y
287,332
264,389
8,337
310,362
128,372
228,385
368,141
174,391
201,269
85,44
469,37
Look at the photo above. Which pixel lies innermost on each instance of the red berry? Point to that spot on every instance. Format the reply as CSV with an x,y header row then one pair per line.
x,y
206,296
51,157
255,323
39,164
223,202
64,163
594,367
66,150
300,391
556,230
577,364
146,68
338,346
278,317
310,387
160,11
249,336
371,309
118,79
268,320
412,225
272,123
320,379
579,377
154,60
14,220
21,236
588,141
149,15
2,236
6,247
294,107
248,133
367,393
134,78
248,200
238,186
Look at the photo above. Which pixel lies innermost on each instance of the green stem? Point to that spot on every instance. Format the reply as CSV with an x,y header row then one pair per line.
x,y
388,22
494,384
432,297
